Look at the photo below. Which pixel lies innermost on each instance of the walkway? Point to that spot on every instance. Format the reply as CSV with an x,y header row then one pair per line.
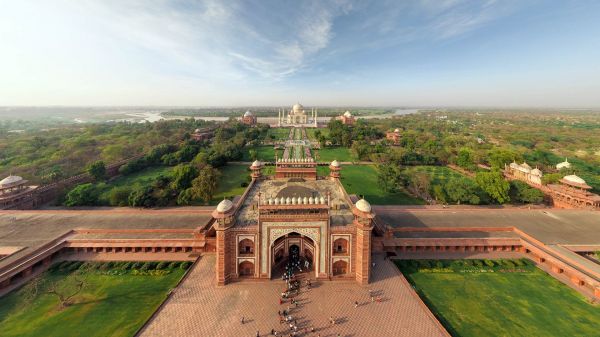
x,y
199,308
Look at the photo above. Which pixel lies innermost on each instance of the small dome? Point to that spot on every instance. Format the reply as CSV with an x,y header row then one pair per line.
x,y
322,200
197,131
525,165
293,200
276,201
564,164
10,180
256,163
574,179
396,130
305,200
536,172
311,200
288,201
270,201
335,163
282,201
224,206
347,114
363,206
248,114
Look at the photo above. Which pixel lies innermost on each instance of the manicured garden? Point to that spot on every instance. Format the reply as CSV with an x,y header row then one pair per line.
x,y
362,180
438,174
263,153
116,299
328,154
278,134
500,298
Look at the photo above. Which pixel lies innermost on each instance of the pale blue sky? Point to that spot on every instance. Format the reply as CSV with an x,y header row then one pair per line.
x,y
402,53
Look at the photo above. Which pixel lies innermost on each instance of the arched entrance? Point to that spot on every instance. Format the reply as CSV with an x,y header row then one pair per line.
x,y
293,253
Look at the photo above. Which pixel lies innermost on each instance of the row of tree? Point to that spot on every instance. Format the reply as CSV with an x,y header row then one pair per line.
x,y
485,188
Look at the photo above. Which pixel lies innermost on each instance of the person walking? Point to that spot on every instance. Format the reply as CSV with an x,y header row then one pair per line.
x,y
242,320
356,304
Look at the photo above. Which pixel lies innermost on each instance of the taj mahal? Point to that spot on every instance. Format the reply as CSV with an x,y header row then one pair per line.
x,y
297,116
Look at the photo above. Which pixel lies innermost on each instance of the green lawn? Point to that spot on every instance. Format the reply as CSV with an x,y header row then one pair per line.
x,y
263,153
232,177
362,180
330,153
438,174
279,133
111,305
144,177
530,303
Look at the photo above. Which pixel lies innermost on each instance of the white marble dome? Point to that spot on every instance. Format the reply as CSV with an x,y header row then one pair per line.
x,y
363,206
256,163
297,107
10,180
536,172
571,178
335,163
347,114
248,114
396,130
224,206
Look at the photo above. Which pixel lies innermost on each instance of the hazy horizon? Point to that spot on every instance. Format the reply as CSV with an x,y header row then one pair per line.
x,y
418,54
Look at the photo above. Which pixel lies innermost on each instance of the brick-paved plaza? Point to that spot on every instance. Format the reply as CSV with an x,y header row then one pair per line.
x,y
199,308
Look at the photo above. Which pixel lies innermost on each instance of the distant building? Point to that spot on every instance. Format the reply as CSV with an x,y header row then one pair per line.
x,y
202,134
297,116
14,190
524,173
564,164
393,136
347,118
573,192
249,118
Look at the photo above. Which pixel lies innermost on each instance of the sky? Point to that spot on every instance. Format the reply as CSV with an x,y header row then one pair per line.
x,y
523,53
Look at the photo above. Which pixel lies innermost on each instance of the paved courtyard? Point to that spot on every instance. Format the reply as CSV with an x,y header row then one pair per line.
x,y
199,308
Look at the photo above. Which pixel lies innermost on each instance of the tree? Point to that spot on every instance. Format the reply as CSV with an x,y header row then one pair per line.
x,y
183,176
185,197
142,197
420,183
82,195
119,196
498,157
97,170
462,190
551,178
390,177
205,185
464,158
494,184
439,194
521,192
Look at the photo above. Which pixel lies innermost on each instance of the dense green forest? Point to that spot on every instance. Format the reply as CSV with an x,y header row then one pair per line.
x,y
46,155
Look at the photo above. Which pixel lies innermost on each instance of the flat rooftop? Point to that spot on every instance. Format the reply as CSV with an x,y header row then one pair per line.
x,y
340,213
34,228
551,226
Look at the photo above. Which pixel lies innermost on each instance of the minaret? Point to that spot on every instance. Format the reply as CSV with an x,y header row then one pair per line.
x,y
315,118
363,222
